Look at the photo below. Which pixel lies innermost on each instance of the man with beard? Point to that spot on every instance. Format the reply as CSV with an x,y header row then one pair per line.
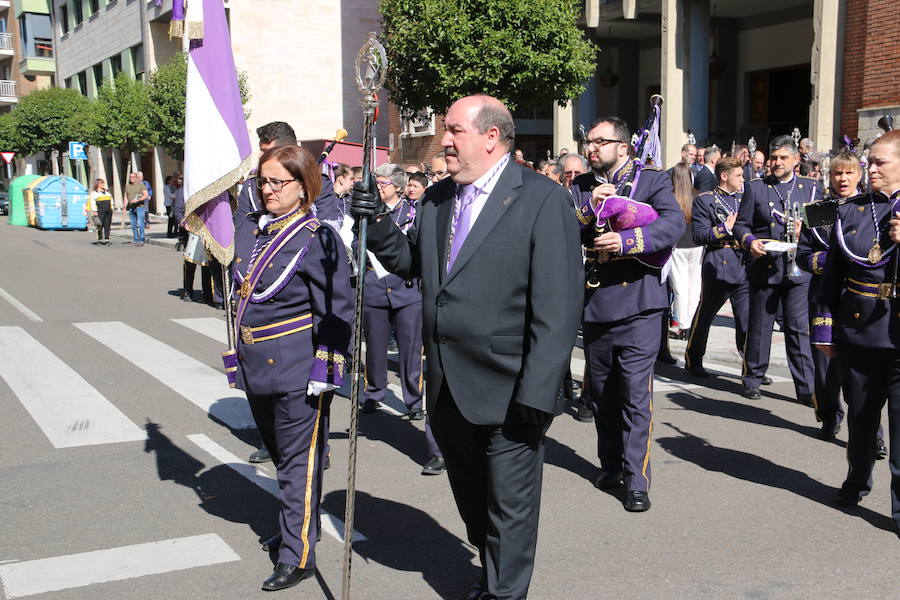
x,y
622,313
763,216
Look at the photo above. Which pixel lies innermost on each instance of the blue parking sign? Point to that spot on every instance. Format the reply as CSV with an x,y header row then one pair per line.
x,y
77,151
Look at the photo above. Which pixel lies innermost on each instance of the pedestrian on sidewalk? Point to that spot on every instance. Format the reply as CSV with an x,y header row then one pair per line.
x,y
136,204
687,256
169,199
147,206
101,203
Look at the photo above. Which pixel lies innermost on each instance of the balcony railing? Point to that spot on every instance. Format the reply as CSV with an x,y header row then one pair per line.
x,y
6,42
7,89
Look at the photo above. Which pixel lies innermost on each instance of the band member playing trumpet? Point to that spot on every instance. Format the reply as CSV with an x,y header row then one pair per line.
x,y
769,212
724,271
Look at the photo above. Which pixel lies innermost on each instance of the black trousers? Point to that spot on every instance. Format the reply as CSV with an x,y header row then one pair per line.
x,y
871,377
206,280
495,473
171,225
105,214
713,295
764,302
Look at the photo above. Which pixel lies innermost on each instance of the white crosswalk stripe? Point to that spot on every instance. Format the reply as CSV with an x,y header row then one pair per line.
x,y
204,386
114,564
330,524
67,408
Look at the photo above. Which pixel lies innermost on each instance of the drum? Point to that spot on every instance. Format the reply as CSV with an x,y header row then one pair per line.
x,y
194,251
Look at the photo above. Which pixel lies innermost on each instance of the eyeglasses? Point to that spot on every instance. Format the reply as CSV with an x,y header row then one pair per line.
x,y
275,185
384,182
601,141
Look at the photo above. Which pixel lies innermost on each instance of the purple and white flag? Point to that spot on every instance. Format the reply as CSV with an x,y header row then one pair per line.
x,y
216,144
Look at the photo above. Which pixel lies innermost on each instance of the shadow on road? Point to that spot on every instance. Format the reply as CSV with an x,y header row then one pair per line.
x,y
222,492
405,538
739,411
756,469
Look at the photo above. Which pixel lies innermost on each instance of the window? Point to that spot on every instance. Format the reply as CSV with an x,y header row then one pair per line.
x,y
82,82
115,62
64,18
137,61
98,75
43,47
78,8
95,6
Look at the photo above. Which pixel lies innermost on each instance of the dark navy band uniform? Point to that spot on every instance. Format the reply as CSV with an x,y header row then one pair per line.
x,y
761,216
621,323
296,328
859,291
724,272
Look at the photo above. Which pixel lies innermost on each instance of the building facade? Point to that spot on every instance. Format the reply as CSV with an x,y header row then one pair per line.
x,y
297,57
729,70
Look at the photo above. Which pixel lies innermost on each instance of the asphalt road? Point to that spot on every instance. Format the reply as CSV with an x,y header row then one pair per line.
x,y
121,472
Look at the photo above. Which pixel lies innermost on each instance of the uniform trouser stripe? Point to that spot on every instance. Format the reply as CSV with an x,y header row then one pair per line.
x,y
310,476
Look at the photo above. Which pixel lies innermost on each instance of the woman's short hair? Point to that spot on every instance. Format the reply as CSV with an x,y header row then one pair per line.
x,y
341,169
301,165
420,177
97,183
392,172
891,137
845,160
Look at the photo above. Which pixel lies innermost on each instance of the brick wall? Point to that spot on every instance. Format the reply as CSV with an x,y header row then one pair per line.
x,y
413,148
871,73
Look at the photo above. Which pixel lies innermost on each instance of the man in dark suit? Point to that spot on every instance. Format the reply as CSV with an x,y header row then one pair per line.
x,y
498,254
705,178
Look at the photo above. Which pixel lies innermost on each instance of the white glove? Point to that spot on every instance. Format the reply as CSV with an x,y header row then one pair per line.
x,y
314,388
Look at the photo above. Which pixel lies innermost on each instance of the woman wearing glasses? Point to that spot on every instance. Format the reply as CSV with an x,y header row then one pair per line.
x,y
294,313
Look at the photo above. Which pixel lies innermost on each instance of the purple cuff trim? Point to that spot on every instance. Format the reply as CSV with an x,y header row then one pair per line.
x,y
748,239
817,262
230,360
821,329
634,241
328,366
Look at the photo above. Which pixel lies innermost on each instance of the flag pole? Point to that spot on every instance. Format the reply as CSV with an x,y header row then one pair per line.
x,y
371,68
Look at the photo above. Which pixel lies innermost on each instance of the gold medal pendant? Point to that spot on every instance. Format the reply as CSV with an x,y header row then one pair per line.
x,y
875,253
245,286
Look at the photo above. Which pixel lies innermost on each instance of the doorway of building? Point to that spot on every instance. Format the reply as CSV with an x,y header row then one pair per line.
x,y
780,99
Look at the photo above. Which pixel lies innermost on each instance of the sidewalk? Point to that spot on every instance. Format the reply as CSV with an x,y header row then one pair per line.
x,y
156,235
721,345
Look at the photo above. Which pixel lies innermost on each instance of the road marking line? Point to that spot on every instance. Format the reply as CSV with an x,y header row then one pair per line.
x,y
330,524
67,408
211,327
114,564
201,384
20,307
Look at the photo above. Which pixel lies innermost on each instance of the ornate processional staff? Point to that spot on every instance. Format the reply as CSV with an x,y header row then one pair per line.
x,y
371,68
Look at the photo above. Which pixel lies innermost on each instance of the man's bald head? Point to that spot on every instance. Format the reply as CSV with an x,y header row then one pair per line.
x,y
479,132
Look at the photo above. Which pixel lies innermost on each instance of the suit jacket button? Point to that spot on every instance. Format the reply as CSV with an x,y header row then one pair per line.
x,y
442,339
771,266
270,361
724,262
390,290
624,283
855,315
441,301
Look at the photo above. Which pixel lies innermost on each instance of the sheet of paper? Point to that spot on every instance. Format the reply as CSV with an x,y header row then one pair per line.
x,y
775,247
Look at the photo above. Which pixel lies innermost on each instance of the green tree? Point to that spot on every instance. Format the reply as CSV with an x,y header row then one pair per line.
x,y
9,137
120,117
528,53
47,120
167,96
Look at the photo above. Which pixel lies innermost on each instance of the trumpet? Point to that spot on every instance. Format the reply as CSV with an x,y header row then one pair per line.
x,y
792,235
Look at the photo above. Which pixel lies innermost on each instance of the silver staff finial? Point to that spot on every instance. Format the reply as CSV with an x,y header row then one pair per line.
x,y
371,69
751,146
796,135
692,140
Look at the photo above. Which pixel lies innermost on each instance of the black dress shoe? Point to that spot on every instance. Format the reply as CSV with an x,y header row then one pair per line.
x,y
435,466
751,393
766,380
272,544
805,400
416,415
583,412
698,372
846,498
608,479
286,576
369,406
326,463
667,359
260,456
636,501
829,431
881,450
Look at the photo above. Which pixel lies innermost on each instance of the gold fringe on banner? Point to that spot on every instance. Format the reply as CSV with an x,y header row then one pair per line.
x,y
176,29
223,255
195,30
